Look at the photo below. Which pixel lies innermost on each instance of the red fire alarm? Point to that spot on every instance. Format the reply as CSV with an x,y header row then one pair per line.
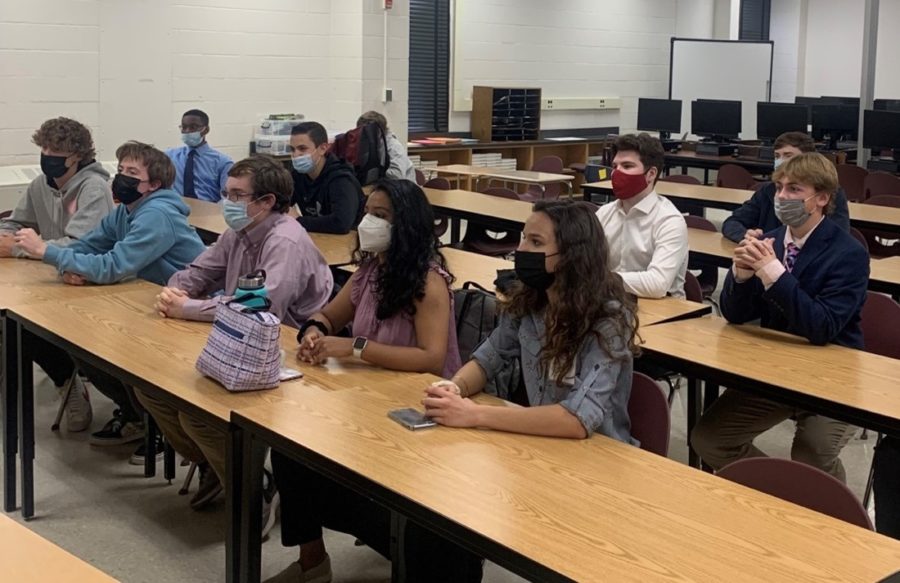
x,y
388,4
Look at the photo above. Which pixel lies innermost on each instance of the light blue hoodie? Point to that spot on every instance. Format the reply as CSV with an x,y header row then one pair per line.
x,y
151,241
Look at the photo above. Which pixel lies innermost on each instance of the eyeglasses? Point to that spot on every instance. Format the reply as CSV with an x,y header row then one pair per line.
x,y
236,196
191,128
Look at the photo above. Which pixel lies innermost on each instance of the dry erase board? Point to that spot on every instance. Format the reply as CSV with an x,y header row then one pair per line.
x,y
721,69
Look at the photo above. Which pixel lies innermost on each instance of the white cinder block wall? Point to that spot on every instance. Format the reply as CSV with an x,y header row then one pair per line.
x,y
130,68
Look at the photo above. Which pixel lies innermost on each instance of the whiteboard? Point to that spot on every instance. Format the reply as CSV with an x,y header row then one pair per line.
x,y
721,69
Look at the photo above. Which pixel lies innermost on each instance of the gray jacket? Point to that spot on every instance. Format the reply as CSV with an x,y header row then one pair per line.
x,y
62,216
401,166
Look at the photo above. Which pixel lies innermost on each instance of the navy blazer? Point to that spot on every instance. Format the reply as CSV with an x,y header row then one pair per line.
x,y
820,300
759,213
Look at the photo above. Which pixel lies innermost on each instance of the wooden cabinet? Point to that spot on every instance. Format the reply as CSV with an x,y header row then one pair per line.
x,y
506,114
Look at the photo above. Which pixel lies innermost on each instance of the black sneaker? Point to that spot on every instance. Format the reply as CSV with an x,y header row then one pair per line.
x,y
137,458
209,488
117,431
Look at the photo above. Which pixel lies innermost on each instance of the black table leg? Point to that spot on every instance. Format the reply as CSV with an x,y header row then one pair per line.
x,y
245,478
454,230
693,415
10,390
150,431
398,571
26,421
234,471
168,461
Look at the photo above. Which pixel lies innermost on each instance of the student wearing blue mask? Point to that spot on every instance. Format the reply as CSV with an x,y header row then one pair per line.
x,y
200,170
325,187
756,216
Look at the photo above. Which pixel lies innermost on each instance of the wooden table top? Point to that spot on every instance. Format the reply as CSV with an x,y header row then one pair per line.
x,y
699,192
23,281
871,213
710,243
123,329
887,269
207,216
523,176
837,374
480,204
28,557
592,510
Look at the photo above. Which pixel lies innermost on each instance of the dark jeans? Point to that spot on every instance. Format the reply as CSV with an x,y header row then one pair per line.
x,y
310,501
115,390
54,360
887,487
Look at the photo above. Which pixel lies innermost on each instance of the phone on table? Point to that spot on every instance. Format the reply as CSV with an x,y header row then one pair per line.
x,y
411,419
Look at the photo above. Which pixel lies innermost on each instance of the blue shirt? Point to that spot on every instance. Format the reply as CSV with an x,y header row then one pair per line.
x,y
210,170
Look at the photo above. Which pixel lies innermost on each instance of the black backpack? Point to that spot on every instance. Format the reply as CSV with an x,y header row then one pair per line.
x,y
364,148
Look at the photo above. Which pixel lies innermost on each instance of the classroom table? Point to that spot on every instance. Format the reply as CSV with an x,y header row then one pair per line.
x,y
541,179
26,557
207,218
884,275
851,385
25,282
548,509
502,214
691,159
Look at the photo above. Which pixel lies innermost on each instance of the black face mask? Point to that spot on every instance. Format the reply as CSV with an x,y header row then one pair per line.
x,y
531,271
125,188
53,167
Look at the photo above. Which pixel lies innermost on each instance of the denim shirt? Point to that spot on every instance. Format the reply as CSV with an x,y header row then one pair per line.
x,y
599,391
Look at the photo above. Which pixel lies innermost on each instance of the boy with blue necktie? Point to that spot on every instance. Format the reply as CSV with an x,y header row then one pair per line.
x,y
200,169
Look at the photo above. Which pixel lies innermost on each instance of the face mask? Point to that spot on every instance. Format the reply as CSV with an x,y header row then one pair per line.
x,y
303,164
235,214
53,167
374,234
531,269
125,188
779,162
626,186
192,139
792,212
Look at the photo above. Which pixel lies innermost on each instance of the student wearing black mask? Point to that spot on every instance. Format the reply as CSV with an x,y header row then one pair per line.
x,y
61,206
573,326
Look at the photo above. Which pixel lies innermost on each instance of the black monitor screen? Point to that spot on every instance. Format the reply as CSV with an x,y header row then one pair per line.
x,y
881,129
716,118
806,100
659,115
887,104
774,119
835,119
832,100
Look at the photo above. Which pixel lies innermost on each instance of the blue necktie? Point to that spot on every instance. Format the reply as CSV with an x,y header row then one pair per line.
x,y
189,175
790,256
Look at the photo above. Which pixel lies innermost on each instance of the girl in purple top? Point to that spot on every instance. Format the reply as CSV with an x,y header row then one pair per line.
x,y
401,309
399,302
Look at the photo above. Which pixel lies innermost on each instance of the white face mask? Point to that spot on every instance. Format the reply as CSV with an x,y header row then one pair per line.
x,y
374,234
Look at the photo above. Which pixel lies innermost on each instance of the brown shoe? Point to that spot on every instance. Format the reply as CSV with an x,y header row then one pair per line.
x,y
209,488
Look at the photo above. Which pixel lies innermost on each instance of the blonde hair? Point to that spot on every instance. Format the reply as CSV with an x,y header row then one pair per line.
x,y
812,169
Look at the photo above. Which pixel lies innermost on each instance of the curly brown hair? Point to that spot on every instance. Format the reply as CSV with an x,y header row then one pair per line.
x,y
62,134
589,292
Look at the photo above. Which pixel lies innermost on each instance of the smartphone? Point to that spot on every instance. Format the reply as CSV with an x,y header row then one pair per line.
x,y
288,374
411,419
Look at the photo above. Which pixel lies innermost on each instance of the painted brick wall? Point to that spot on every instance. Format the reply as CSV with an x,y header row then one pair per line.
x,y
129,68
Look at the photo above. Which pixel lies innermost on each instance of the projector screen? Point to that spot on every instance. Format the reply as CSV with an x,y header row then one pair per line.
x,y
721,69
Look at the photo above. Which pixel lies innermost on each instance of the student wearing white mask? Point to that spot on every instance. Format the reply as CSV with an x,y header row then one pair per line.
x,y
200,170
400,306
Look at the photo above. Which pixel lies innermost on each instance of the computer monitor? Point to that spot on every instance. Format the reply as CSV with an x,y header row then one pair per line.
x,y
881,130
712,118
833,100
659,115
835,121
774,119
887,104
808,102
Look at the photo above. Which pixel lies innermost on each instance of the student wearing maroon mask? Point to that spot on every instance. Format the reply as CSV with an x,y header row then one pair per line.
x,y
647,235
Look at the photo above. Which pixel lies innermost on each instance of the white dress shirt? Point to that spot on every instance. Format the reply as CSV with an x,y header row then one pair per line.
x,y
648,245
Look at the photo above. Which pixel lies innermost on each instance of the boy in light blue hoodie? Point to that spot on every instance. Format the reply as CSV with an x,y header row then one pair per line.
x,y
147,236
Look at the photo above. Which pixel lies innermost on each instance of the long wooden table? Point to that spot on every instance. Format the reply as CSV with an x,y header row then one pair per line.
x,y
851,385
541,179
550,509
27,557
502,214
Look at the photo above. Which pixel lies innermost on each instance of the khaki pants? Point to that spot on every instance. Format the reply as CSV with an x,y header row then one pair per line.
x,y
193,439
726,431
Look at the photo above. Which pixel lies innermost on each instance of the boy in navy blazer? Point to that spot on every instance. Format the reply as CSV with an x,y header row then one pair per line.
x,y
809,278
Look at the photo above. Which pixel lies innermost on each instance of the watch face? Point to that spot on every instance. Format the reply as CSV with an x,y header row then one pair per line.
x,y
359,343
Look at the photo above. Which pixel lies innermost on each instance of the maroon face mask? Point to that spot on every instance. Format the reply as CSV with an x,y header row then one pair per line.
x,y
626,186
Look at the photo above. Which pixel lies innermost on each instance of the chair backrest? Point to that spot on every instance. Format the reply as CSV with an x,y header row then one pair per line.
x,y
734,176
859,237
552,165
692,290
695,222
439,183
852,179
476,316
884,200
881,183
880,323
801,484
680,178
502,192
420,177
648,409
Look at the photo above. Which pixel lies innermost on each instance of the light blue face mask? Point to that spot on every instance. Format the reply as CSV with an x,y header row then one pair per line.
x,y
303,164
779,162
235,214
192,139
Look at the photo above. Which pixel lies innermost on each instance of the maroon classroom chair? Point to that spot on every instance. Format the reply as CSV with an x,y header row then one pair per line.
x,y
420,177
681,179
859,237
874,237
649,413
800,484
441,222
734,176
877,183
552,165
852,179
479,239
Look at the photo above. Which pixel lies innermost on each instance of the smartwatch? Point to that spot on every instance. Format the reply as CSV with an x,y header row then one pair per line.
x,y
359,344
